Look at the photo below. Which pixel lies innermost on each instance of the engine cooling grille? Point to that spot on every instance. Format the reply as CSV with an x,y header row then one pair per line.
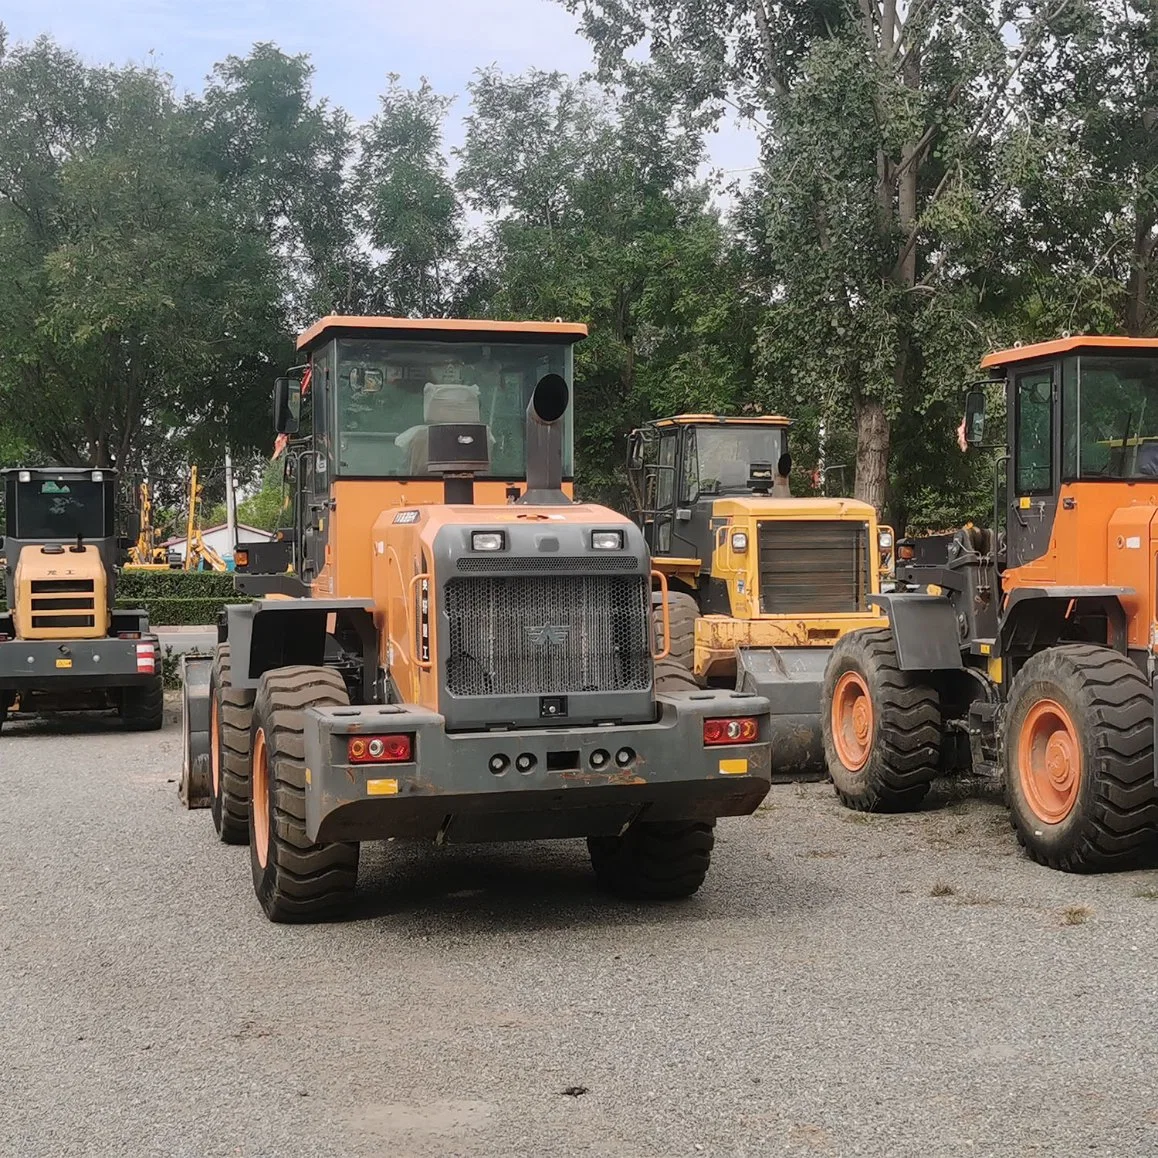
x,y
540,563
548,634
813,567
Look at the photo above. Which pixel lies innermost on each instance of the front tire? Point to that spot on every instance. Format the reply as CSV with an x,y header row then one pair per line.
x,y
1079,760
230,721
660,861
294,878
881,726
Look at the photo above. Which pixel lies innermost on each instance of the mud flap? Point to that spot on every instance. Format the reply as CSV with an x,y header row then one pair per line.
x,y
791,679
193,787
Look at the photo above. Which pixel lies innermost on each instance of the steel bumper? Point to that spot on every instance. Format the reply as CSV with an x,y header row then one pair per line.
x,y
448,791
28,665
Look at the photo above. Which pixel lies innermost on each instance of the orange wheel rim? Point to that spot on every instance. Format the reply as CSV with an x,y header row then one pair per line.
x,y
214,746
260,798
1049,761
852,721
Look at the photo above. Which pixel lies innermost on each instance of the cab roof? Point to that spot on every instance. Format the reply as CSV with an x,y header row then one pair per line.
x,y
60,472
723,420
1063,346
370,326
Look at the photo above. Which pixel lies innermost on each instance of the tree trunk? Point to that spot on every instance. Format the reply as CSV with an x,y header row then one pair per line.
x,y
872,452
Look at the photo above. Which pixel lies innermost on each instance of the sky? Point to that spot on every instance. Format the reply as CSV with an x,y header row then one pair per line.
x,y
353,44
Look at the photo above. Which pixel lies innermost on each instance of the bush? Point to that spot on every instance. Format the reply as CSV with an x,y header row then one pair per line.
x,y
164,612
144,585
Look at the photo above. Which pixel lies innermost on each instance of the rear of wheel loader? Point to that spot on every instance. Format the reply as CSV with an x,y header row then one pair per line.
x,y
461,654
63,645
761,584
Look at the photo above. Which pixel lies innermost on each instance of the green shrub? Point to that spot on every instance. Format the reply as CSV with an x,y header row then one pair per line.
x,y
166,612
145,585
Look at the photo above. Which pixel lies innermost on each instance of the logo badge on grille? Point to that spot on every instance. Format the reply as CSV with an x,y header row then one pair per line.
x,y
548,634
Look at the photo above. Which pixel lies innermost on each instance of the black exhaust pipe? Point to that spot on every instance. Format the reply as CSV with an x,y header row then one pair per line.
x,y
545,413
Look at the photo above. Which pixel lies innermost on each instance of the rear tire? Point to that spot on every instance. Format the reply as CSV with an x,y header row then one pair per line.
x,y
230,720
294,878
658,861
682,613
672,678
881,726
143,706
1079,760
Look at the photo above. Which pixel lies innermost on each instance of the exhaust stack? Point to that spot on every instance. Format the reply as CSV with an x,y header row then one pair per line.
x,y
545,413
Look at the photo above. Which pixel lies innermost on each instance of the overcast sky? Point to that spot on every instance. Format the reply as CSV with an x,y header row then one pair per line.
x,y
353,44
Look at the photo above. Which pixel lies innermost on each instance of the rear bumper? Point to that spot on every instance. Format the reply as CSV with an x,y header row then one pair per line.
x,y
448,793
53,665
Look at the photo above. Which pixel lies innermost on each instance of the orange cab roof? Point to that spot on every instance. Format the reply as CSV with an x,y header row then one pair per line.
x,y
572,330
724,420
1064,346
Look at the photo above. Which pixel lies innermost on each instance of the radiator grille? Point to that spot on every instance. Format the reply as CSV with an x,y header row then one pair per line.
x,y
548,634
813,567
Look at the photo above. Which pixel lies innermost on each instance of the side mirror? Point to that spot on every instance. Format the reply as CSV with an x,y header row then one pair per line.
x,y
287,405
635,451
124,543
974,417
784,465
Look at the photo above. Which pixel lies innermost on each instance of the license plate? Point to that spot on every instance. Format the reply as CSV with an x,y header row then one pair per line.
x,y
64,663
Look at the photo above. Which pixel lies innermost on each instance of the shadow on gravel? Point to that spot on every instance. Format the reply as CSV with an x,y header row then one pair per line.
x,y
72,724
499,889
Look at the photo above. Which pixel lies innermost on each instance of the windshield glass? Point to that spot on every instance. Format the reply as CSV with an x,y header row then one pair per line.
x,y
1110,426
724,455
60,510
390,392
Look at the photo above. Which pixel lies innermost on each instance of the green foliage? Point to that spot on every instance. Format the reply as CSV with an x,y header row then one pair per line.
x,y
175,585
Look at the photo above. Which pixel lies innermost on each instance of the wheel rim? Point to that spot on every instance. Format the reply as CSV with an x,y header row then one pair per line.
x,y
1049,761
852,721
260,795
214,747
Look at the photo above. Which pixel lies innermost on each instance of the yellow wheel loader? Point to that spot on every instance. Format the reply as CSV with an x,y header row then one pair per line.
x,y
63,647
760,584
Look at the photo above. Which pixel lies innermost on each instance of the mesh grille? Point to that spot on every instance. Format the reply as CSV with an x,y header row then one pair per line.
x,y
813,567
541,563
548,634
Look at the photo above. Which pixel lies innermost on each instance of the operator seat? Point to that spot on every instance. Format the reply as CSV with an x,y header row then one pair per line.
x,y
441,402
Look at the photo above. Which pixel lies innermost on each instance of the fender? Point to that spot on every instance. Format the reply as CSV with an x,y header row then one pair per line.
x,y
924,629
272,633
1029,631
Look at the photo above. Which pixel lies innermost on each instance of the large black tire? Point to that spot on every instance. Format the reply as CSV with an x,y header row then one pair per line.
x,y
299,880
672,677
881,726
660,861
230,719
1079,760
657,861
143,706
682,613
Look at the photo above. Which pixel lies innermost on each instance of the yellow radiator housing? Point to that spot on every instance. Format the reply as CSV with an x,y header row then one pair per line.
x,y
61,595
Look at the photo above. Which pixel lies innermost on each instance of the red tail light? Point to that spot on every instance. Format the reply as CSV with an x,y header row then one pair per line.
x,y
128,635
736,730
397,749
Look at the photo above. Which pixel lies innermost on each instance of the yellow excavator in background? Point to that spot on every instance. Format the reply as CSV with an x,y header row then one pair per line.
x,y
147,553
199,556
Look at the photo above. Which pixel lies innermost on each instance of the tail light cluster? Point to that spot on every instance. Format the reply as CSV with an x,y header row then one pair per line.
x,y
392,749
732,730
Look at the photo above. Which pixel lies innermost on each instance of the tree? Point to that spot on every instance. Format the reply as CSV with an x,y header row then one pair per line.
x,y
281,157
878,123
136,306
407,205
594,214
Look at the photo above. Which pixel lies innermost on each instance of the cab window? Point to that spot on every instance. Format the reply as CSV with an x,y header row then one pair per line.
x,y
1034,432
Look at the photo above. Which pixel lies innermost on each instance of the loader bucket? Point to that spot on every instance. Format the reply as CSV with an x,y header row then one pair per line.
x,y
790,678
193,787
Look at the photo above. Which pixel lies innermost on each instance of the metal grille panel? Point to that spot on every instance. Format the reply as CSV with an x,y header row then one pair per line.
x,y
813,567
548,634
541,563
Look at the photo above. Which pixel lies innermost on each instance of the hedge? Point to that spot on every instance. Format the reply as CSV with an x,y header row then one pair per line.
x,y
178,598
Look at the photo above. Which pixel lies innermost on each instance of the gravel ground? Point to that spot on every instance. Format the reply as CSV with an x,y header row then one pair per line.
x,y
842,985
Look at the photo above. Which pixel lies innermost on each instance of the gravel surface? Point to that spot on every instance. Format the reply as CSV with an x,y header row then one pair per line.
x,y
842,985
